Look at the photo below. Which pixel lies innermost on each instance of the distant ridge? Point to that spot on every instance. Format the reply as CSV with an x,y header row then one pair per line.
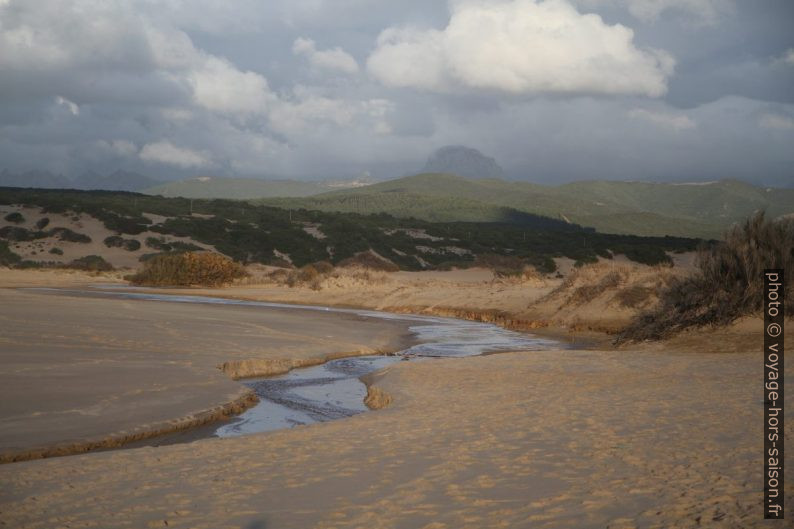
x,y
463,161
636,208
116,181
248,188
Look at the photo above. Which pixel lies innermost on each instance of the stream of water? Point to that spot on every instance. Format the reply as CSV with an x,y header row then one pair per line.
x,y
334,390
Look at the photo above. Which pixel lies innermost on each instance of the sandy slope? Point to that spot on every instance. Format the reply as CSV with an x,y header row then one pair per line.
x,y
39,249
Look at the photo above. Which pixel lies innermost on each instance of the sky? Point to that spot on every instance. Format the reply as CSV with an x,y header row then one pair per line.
x,y
555,90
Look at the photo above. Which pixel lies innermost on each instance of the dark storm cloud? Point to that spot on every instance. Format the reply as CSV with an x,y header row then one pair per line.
x,y
668,89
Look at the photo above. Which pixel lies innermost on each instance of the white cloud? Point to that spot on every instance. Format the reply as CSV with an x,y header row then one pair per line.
x,y
167,153
788,57
776,121
73,108
700,11
664,119
335,59
308,110
520,47
219,86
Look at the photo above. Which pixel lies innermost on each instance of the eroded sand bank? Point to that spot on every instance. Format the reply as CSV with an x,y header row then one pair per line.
x,y
77,372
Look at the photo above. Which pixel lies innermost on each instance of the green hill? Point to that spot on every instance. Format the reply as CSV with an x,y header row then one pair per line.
x,y
262,234
638,208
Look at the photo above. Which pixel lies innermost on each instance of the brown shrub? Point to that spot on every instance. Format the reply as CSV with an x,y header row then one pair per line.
x,y
185,269
727,284
588,293
634,296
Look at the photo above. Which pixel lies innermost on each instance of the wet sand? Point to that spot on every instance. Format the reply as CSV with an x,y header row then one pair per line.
x,y
77,371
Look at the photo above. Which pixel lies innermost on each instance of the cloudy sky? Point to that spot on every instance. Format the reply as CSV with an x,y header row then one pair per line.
x,y
555,90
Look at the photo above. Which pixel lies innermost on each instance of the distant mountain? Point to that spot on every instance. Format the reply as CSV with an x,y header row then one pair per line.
x,y
117,181
463,161
638,208
39,179
246,188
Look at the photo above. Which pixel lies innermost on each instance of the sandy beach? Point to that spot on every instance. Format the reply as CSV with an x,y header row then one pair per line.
x,y
652,435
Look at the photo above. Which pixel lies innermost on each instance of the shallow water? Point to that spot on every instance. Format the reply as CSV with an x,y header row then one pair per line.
x,y
333,390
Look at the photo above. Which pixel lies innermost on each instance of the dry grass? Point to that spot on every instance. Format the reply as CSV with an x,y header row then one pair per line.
x,y
728,282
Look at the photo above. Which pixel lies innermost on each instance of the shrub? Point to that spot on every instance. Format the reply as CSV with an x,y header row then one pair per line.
x,y
634,296
56,251
727,284
7,256
185,269
323,267
67,235
91,263
15,233
16,217
42,223
588,293
115,241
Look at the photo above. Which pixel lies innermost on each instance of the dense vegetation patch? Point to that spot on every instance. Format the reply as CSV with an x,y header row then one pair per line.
x,y
728,282
263,234
16,217
91,263
117,241
185,269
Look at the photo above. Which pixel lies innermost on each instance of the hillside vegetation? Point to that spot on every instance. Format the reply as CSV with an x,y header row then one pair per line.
x,y
688,210
269,235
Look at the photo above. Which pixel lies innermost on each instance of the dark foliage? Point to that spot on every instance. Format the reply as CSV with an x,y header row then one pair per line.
x,y
16,217
256,234
91,263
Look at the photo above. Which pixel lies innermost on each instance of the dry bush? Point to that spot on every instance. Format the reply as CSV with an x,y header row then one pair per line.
x,y
371,261
185,269
323,267
588,293
727,284
634,296
501,265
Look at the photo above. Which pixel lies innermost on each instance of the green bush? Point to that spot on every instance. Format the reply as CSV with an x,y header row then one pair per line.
x,y
727,284
185,269
91,263
56,251
42,223
67,235
116,241
7,256
16,217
